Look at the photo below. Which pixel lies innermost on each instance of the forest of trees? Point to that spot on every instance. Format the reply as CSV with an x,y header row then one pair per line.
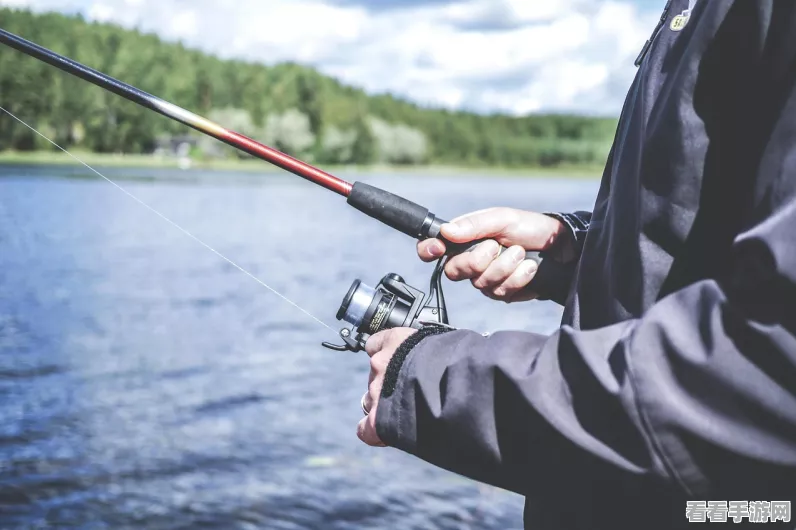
x,y
288,106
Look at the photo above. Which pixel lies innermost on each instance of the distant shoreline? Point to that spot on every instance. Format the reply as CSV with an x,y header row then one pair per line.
x,y
45,158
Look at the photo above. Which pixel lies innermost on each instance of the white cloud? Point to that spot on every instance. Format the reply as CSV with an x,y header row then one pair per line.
x,y
512,56
506,12
100,12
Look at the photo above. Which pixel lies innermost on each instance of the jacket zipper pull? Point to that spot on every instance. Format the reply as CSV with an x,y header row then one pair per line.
x,y
648,44
643,53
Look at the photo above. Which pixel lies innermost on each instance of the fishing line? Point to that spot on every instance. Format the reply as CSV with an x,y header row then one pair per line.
x,y
175,225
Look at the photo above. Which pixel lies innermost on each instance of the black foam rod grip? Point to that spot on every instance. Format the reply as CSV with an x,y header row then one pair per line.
x,y
392,210
408,217
415,221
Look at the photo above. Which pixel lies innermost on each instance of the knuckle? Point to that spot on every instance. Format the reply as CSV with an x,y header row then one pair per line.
x,y
468,222
504,270
489,294
479,266
452,264
489,279
517,252
383,357
515,284
373,344
511,214
511,281
490,249
522,275
454,270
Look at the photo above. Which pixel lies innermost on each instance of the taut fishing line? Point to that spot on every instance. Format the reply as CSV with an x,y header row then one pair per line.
x,y
175,225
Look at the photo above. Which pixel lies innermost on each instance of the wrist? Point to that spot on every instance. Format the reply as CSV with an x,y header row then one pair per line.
x,y
562,242
568,241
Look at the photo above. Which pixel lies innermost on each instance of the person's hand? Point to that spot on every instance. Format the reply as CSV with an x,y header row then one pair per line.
x,y
380,347
500,277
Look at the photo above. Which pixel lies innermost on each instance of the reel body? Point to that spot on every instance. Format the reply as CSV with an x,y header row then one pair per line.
x,y
391,304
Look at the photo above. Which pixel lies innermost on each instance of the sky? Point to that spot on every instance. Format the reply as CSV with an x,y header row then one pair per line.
x,y
507,56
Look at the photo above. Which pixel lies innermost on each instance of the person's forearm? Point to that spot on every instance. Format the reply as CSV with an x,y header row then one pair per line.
x,y
683,398
507,410
699,392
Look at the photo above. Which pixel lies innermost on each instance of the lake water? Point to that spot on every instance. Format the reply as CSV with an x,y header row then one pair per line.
x,y
146,383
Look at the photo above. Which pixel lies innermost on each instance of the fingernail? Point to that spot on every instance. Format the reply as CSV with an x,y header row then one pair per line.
x,y
518,254
436,249
530,267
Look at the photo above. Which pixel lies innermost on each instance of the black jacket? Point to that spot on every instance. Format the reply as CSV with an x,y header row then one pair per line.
x,y
673,375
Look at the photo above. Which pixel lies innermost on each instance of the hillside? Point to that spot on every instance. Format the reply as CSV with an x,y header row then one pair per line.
x,y
288,106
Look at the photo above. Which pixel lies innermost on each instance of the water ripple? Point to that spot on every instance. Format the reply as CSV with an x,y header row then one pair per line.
x,y
147,384
223,405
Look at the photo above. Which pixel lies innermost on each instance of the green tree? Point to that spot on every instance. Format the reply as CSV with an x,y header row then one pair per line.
x,y
290,132
363,151
310,114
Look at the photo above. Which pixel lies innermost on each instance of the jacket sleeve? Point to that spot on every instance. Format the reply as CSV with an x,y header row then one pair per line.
x,y
554,278
700,392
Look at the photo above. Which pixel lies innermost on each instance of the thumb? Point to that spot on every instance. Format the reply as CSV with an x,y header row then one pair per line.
x,y
482,224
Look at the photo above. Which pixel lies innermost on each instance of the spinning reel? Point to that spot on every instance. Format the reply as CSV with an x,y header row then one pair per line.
x,y
391,304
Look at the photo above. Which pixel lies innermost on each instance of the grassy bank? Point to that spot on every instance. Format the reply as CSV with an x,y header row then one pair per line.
x,y
147,161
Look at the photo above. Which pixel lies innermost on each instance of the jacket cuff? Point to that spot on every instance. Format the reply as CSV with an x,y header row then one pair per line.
x,y
395,421
553,280
577,224
394,368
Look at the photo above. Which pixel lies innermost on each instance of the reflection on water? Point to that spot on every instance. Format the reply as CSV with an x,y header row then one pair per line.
x,y
146,383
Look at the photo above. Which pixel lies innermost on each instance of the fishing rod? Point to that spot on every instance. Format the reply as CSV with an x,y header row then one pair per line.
x,y
392,303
